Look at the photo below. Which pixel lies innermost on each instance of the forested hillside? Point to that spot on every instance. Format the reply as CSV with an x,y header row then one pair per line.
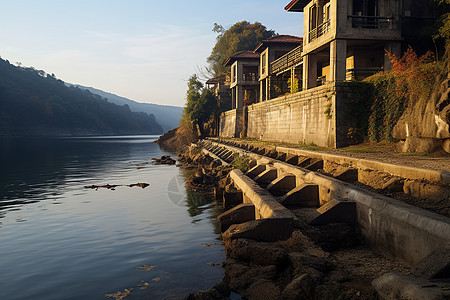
x,y
35,103
167,116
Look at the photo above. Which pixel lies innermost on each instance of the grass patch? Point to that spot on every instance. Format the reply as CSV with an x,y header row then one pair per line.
x,y
241,162
360,150
412,154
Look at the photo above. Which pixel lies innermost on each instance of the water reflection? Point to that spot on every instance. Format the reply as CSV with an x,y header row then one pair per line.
x,y
92,242
36,169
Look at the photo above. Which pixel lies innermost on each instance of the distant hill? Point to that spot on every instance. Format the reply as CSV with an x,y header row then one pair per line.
x,y
168,116
35,103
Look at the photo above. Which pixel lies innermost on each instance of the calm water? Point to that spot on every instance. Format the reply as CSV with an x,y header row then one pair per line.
x,y
59,240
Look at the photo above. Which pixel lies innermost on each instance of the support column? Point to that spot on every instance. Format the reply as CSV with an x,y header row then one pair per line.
x,y
261,91
338,60
233,98
239,97
309,72
393,48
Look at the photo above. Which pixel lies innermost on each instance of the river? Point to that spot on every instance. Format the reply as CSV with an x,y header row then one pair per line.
x,y
60,240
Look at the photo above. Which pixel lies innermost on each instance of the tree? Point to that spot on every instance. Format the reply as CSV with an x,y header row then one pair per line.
x,y
201,103
239,37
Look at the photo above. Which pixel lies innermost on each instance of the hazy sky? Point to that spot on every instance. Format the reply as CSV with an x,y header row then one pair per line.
x,y
144,50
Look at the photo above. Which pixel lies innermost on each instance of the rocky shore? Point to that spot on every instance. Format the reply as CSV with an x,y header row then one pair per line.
x,y
320,262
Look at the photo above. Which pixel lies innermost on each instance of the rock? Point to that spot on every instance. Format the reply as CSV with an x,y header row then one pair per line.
x,y
219,291
301,287
446,145
164,160
264,230
420,144
395,286
258,253
262,289
301,261
240,276
435,265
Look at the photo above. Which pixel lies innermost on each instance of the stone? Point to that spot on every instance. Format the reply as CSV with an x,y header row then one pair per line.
x,y
301,261
257,253
240,276
218,291
301,287
239,214
446,145
435,265
395,286
420,144
264,230
263,289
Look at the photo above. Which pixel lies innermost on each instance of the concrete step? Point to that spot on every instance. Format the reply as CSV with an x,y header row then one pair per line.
x,y
336,211
282,184
256,170
304,195
269,175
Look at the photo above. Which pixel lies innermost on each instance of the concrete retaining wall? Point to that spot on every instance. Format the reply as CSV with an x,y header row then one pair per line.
x,y
296,118
394,227
231,123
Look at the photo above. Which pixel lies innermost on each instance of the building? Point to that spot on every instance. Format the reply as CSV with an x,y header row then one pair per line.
x,y
344,41
272,85
244,78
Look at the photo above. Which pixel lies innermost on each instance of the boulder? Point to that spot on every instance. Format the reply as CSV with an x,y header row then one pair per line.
x,y
264,230
258,253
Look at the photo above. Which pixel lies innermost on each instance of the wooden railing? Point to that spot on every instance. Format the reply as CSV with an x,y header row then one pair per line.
x,y
287,61
371,22
319,30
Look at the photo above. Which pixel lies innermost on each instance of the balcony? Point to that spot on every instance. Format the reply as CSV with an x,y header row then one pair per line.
x,y
290,59
370,22
319,30
249,77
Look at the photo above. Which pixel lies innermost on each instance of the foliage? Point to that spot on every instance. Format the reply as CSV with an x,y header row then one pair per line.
x,y
357,102
241,162
293,85
201,103
33,102
239,37
410,82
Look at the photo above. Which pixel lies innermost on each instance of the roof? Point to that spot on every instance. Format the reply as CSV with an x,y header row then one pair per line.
x,y
241,55
216,80
297,5
279,39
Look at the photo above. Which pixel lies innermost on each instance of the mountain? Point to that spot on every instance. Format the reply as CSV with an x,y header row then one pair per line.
x,y
35,103
168,116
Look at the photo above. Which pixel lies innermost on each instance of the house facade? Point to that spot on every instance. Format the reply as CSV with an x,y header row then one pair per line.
x,y
343,41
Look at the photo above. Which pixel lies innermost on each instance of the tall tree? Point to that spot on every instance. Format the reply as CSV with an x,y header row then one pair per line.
x,y
239,37
201,103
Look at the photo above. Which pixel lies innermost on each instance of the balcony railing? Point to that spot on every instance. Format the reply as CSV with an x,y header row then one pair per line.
x,y
287,61
371,22
319,30
249,77
361,73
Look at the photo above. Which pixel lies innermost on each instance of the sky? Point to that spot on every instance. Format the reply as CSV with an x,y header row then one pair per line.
x,y
144,50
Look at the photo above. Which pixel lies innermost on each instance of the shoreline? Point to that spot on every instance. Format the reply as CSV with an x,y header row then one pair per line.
x,y
325,262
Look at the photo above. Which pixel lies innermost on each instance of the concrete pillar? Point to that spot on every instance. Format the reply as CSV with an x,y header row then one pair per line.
x,y
261,91
393,48
309,71
239,97
233,98
338,57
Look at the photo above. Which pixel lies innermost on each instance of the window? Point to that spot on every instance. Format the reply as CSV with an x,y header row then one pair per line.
x,y
263,64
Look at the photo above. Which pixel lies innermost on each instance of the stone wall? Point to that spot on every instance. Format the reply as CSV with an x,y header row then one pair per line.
x,y
231,123
296,118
